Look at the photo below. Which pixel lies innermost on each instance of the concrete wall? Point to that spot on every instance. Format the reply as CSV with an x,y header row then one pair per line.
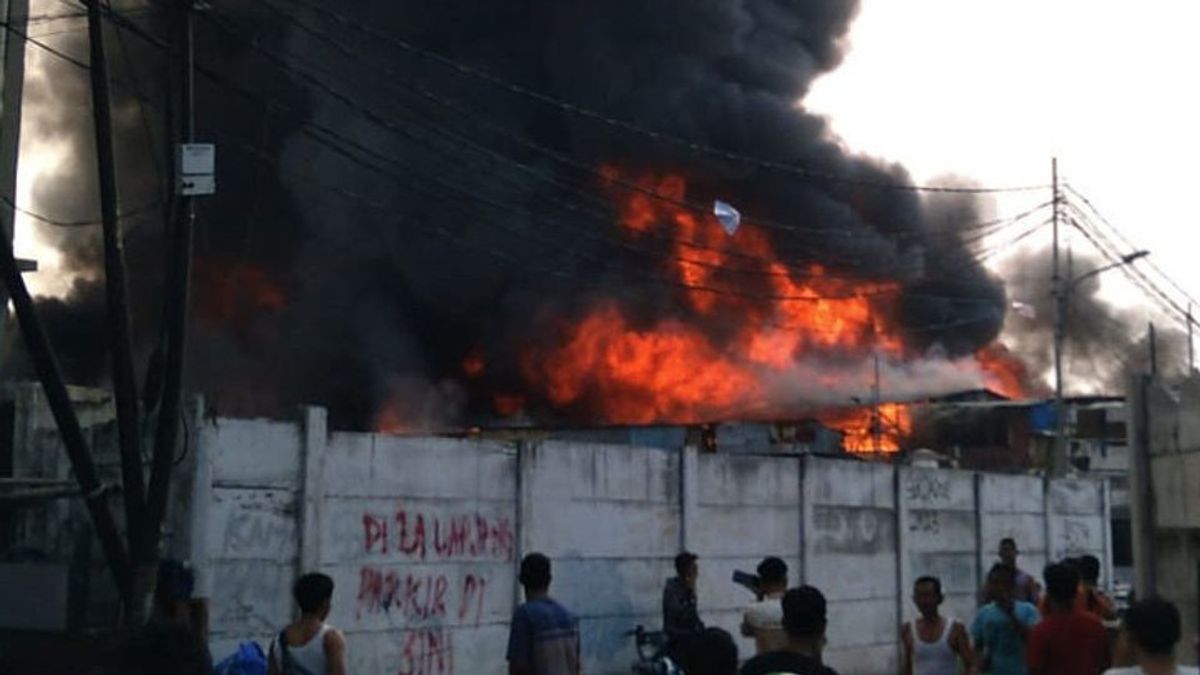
x,y
1164,440
423,535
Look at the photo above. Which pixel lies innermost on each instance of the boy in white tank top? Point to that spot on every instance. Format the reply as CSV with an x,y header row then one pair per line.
x,y
309,646
933,644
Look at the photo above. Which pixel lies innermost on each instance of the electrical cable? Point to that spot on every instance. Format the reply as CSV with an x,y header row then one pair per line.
x,y
580,111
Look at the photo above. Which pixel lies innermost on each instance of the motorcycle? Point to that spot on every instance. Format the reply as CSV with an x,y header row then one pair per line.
x,y
651,647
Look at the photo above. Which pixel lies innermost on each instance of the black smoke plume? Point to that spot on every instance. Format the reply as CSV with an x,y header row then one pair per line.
x,y
365,239
1103,345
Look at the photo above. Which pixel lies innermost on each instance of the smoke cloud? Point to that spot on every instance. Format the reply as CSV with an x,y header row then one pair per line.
x,y
1103,345
345,263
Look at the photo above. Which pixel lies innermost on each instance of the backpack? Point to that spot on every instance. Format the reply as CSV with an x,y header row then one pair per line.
x,y
247,660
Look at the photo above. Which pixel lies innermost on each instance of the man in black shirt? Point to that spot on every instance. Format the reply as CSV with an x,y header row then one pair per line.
x,y
681,618
804,622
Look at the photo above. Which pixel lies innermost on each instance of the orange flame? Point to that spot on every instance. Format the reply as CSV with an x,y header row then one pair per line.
x,y
234,292
870,429
671,371
1004,373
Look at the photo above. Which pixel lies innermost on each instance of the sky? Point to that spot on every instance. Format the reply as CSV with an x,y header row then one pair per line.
x,y
992,89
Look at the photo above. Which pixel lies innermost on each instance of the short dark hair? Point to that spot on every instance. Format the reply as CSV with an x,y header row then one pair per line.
x,y
804,612
1089,568
683,561
1062,582
712,652
772,570
535,571
1154,626
1010,541
936,582
312,590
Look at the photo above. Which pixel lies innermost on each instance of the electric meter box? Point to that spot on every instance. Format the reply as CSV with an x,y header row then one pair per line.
x,y
195,169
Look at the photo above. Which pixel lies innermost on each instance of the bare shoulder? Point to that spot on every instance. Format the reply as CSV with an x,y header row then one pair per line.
x,y
334,638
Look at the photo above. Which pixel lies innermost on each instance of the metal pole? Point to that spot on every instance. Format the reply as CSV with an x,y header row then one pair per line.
x,y
59,400
1191,343
877,418
119,331
1058,458
16,13
178,284
1153,351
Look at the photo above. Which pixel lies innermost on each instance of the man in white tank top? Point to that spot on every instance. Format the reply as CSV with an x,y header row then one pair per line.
x,y
309,646
933,644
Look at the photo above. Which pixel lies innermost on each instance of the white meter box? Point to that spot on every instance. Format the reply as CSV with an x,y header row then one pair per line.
x,y
195,168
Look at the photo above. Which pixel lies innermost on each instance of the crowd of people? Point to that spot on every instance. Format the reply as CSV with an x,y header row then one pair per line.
x,y
1063,626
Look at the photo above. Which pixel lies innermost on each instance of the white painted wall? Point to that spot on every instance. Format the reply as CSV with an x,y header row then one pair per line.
x,y
423,535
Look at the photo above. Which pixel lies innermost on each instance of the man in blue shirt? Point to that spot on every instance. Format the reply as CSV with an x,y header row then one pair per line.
x,y
544,637
1001,628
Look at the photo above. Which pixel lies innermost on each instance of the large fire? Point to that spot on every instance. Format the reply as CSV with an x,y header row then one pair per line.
x,y
672,371
784,328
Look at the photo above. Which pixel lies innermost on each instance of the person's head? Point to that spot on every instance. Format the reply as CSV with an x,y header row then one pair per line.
x,y
713,652
927,595
1153,627
1089,569
1008,551
314,594
1062,582
804,615
687,568
535,574
1001,582
772,575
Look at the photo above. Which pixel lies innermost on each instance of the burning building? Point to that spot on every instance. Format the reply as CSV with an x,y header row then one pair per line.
x,y
504,233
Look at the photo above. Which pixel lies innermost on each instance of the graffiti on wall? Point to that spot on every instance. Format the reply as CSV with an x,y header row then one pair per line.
x,y
404,584
419,535
925,488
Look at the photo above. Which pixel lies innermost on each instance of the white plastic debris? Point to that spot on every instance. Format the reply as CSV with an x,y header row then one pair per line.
x,y
728,216
1025,310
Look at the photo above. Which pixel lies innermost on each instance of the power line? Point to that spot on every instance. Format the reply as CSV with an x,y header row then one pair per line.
x,y
347,99
690,287
690,145
57,222
1116,231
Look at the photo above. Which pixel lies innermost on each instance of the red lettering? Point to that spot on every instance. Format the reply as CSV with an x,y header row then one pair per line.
x,y
471,597
412,587
439,596
391,585
426,652
369,589
374,532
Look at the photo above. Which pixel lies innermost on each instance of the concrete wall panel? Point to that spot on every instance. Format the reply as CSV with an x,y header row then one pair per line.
x,y
255,452
422,536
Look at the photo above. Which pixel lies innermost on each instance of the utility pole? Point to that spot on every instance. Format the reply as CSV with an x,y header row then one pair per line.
x,y
178,285
1191,343
116,294
1153,350
1058,457
12,70
877,416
